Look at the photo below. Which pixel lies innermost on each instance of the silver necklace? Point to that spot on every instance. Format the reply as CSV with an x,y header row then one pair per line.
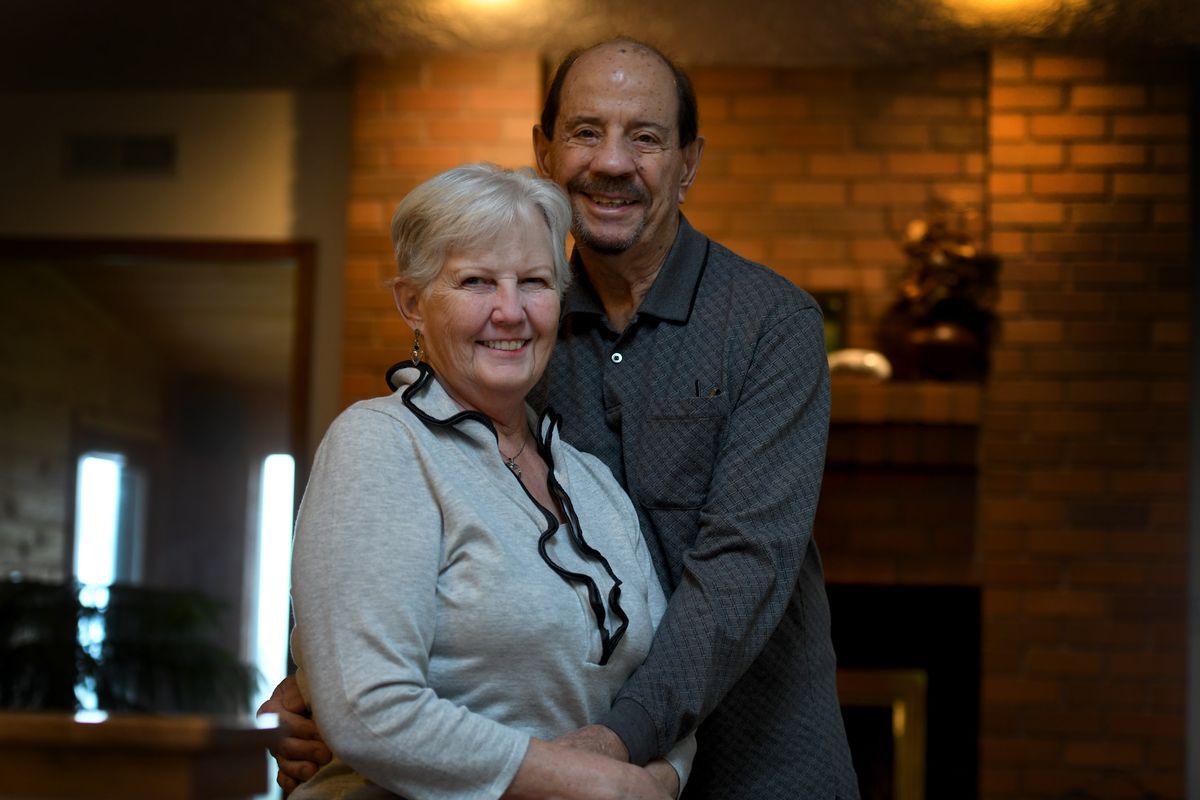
x,y
511,462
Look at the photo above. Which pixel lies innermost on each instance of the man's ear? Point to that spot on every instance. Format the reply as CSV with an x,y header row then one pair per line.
x,y
408,304
541,150
691,165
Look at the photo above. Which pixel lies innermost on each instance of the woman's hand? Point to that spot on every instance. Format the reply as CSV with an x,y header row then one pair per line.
x,y
661,770
302,752
554,772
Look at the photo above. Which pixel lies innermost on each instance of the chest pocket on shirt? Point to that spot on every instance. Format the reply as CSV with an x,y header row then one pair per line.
x,y
677,448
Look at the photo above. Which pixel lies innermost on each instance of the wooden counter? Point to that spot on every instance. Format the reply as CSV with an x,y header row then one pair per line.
x,y
94,756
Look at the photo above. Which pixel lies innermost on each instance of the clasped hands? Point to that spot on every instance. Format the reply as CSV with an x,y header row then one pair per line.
x,y
302,752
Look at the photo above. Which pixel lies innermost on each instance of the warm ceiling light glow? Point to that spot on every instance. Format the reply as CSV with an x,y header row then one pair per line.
x,y
1027,14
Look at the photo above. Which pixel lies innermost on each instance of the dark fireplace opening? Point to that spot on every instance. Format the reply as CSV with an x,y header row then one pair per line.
x,y
909,671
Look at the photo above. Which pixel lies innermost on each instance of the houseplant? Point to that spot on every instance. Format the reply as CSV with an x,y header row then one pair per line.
x,y
943,321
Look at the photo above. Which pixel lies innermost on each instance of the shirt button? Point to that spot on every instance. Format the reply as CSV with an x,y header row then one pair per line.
x,y
617,357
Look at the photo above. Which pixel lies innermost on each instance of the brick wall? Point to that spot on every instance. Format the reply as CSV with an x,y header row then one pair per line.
x,y
816,173
414,118
1082,514
1072,516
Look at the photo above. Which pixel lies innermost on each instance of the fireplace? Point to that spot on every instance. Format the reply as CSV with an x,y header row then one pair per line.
x,y
908,677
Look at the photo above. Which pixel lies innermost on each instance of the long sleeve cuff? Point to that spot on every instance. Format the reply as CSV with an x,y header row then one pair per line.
x,y
636,730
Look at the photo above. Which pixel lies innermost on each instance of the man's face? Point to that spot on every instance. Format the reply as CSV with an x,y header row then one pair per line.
x,y
616,151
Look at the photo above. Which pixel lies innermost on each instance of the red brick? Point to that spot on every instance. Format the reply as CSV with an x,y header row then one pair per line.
x,y
1102,754
1106,97
1002,127
1013,98
1033,332
809,193
769,107
974,165
367,215
924,164
894,135
1107,575
1068,303
1108,215
1147,665
1108,155
1171,156
464,129
718,79
1008,184
427,100
1067,243
1020,692
1066,663
845,164
1052,483
427,160
1150,185
732,193
1009,243
1155,726
1067,604
754,165
1028,213
1027,156
1066,68
909,193
1072,184
1177,96
808,248
1068,126
512,70
1007,67
967,136
1151,126
500,99
1165,332
932,105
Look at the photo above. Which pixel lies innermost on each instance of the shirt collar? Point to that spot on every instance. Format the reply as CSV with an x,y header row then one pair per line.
x,y
674,289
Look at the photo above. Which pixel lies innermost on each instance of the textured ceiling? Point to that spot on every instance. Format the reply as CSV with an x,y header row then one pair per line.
x,y
152,44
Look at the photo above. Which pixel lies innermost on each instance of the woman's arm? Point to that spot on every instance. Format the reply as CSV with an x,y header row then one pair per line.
x,y
365,570
556,772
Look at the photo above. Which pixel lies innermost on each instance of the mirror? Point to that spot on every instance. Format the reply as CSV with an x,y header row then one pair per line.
x,y
168,372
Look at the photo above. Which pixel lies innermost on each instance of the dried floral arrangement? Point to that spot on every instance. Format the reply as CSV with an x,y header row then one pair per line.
x,y
943,321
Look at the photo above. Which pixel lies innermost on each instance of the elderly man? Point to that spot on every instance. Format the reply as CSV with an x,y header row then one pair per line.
x,y
700,379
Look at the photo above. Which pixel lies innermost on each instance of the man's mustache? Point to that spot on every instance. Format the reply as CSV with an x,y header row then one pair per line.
x,y
624,188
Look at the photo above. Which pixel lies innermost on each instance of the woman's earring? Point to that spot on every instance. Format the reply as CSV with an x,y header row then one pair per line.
x,y
416,351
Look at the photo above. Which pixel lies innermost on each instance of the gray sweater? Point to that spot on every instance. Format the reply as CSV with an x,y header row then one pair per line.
x,y
432,639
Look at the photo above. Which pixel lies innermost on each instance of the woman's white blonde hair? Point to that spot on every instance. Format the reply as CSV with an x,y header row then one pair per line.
x,y
467,208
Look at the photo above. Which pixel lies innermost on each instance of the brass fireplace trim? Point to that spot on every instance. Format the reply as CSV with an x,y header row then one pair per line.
x,y
904,691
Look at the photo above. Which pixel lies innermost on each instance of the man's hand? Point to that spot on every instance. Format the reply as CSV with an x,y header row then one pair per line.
x,y
597,739
302,751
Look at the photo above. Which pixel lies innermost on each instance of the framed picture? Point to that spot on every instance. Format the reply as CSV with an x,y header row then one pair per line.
x,y
834,307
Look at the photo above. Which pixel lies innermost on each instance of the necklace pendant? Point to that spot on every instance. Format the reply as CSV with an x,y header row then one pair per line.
x,y
511,463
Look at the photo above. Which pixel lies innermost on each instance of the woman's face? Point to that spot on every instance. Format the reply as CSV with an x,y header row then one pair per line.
x,y
489,319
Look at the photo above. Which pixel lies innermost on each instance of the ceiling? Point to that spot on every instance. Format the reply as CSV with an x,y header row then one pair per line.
x,y
228,44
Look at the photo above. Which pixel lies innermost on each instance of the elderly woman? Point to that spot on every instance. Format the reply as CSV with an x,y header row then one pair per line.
x,y
467,585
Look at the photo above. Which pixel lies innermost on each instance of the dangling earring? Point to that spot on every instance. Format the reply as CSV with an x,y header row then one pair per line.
x,y
416,351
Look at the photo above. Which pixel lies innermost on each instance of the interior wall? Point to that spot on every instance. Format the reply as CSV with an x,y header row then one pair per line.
x,y
252,166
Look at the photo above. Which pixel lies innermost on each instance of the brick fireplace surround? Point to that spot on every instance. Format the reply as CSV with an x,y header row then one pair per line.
x,y
1058,489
